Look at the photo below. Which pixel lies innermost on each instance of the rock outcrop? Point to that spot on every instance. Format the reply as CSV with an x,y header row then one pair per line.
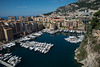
x,y
79,5
92,49
86,4
88,1
89,51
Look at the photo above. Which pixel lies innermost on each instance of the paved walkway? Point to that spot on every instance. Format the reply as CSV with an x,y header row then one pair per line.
x,y
5,64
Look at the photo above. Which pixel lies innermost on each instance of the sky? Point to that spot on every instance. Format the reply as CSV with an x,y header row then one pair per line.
x,y
30,7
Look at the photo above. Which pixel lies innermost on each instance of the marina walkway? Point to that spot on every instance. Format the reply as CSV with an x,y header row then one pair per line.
x,y
5,64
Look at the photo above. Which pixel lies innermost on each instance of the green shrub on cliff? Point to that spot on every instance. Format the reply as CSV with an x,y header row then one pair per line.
x,y
97,14
95,22
83,54
97,48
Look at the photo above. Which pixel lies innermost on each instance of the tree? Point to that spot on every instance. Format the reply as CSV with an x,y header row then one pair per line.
x,y
95,22
97,14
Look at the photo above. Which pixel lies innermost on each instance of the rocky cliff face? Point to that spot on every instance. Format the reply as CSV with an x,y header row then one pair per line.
x,y
89,51
67,8
88,1
79,5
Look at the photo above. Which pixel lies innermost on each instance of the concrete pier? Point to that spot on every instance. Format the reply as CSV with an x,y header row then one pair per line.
x,y
5,64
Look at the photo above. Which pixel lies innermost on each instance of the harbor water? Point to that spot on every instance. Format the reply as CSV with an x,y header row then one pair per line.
x,y
60,55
